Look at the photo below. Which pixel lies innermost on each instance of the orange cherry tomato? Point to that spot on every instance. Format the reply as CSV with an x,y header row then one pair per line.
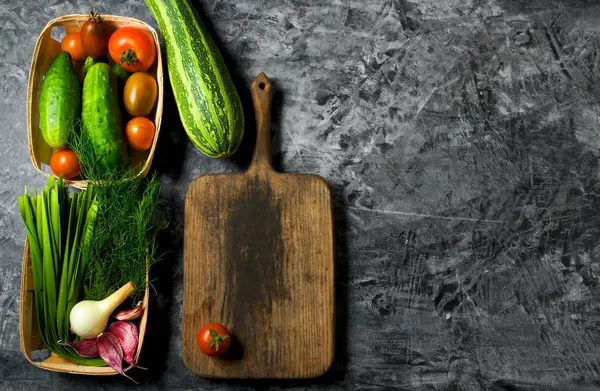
x,y
65,162
139,133
133,48
72,43
213,339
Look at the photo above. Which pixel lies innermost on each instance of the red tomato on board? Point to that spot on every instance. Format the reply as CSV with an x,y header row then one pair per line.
x,y
213,339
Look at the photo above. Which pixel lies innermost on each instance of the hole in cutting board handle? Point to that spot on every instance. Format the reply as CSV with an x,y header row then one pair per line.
x,y
261,86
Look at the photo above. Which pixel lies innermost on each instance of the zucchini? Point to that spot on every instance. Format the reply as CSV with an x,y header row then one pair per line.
x,y
208,103
60,101
101,117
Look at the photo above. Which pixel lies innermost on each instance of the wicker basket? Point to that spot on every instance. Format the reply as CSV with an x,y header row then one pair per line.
x,y
30,333
44,53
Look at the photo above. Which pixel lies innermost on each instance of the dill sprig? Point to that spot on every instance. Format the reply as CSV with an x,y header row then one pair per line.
x,y
124,243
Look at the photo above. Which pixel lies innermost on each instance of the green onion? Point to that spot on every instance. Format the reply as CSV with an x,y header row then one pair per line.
x,y
57,223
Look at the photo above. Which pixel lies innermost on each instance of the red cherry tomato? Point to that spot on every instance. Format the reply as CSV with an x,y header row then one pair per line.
x,y
139,133
133,48
65,162
213,339
72,43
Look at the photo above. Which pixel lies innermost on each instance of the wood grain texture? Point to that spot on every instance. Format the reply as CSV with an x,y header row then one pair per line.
x,y
258,257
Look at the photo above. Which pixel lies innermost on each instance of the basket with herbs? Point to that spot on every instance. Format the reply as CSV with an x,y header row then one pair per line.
x,y
94,107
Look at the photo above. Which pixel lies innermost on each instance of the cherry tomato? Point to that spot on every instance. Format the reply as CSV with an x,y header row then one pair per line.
x,y
132,48
213,339
139,133
94,36
72,43
139,94
65,162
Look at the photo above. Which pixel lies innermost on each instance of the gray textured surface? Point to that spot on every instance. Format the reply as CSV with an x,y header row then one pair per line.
x,y
461,139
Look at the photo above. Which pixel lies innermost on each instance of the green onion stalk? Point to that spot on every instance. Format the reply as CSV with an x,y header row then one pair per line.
x,y
58,225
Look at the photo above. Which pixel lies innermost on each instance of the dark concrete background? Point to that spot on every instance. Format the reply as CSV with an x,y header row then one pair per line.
x,y
461,140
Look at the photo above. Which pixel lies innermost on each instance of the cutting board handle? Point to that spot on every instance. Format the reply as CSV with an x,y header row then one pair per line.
x,y
262,90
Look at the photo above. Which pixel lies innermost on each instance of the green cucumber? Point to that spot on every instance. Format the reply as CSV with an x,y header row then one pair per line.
x,y
208,103
89,62
60,101
101,117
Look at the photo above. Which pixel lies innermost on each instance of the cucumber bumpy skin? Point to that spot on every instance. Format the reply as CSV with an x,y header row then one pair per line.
x,y
101,117
60,101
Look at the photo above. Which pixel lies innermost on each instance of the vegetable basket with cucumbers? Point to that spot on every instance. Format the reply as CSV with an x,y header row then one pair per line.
x,y
104,80
94,113
94,107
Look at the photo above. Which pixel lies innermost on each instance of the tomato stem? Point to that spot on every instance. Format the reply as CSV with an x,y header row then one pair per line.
x,y
128,57
94,16
216,339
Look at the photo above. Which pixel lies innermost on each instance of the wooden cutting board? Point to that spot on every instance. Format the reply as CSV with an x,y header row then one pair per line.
x,y
258,258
